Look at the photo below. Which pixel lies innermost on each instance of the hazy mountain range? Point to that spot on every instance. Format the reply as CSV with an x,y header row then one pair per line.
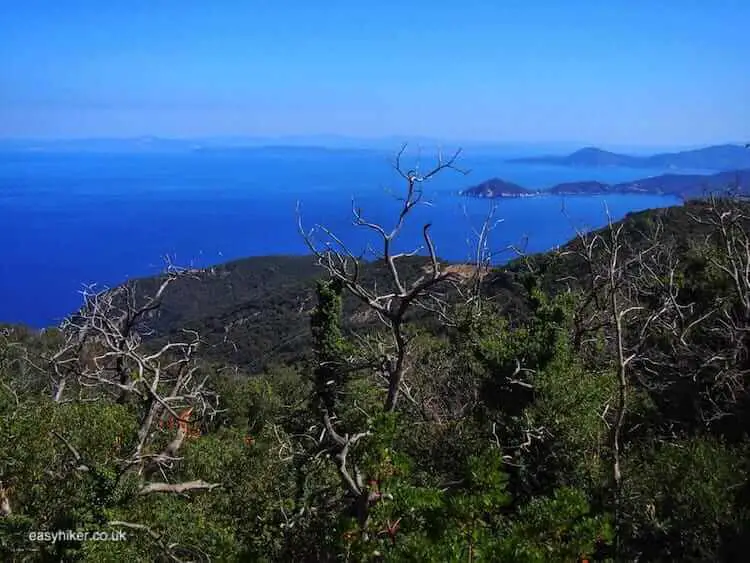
x,y
685,186
526,151
718,157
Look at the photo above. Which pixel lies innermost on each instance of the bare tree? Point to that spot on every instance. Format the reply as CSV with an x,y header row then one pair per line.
x,y
106,356
688,350
618,268
709,348
482,258
5,509
391,305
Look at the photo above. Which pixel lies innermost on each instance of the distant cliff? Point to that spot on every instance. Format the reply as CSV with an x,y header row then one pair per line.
x,y
685,186
719,157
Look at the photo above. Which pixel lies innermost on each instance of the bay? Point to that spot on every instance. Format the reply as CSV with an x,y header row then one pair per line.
x,y
68,219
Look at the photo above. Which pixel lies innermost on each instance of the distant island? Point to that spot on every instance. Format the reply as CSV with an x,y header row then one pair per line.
x,y
499,188
719,157
685,186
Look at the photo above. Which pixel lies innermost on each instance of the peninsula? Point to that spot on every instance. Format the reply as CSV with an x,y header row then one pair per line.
x,y
685,186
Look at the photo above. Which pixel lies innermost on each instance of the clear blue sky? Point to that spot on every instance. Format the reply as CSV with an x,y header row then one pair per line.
x,y
609,71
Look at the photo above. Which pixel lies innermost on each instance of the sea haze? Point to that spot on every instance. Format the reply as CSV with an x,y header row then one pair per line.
x,y
78,218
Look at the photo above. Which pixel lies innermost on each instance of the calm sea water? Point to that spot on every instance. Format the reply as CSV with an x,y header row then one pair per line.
x,y
73,219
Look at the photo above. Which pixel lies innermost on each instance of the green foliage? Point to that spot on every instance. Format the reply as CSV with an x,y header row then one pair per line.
x,y
557,528
472,522
431,524
538,393
574,448
328,342
41,470
687,500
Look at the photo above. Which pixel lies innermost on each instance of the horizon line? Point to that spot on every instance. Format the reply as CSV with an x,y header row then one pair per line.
x,y
315,139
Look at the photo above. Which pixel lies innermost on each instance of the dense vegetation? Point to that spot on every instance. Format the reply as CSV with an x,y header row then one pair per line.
x,y
589,403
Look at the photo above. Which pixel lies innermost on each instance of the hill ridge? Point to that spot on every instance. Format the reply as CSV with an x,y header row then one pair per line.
x,y
683,186
721,157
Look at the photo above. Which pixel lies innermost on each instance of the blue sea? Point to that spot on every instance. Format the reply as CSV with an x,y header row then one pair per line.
x,y
69,219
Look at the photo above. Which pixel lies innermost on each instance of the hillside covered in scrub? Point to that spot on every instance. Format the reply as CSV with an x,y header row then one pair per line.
x,y
587,403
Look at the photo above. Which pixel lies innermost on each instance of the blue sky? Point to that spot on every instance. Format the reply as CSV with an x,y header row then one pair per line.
x,y
649,72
